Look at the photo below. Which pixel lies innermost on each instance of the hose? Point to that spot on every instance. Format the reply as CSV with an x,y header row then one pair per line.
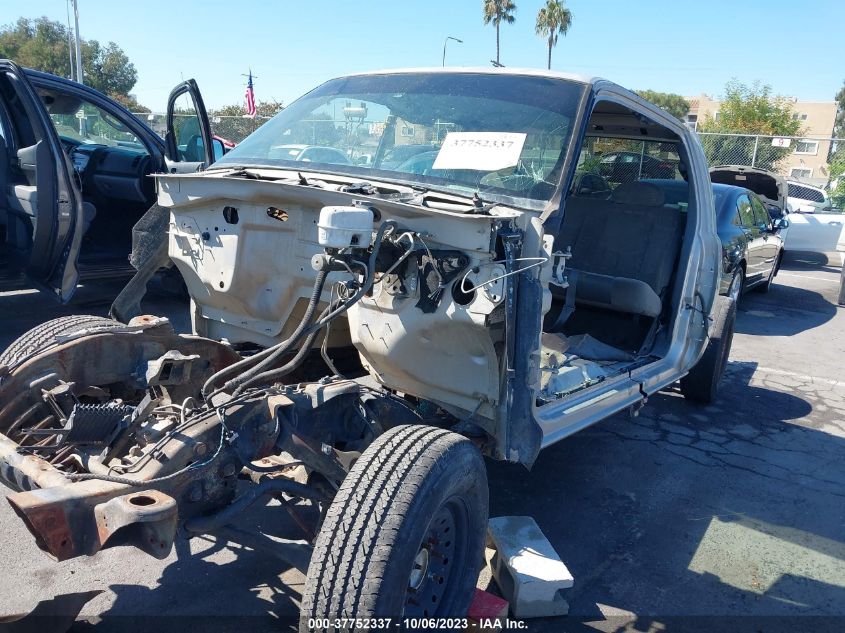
x,y
245,378
270,354
291,365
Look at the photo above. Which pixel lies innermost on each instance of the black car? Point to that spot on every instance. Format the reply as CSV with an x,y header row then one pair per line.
x,y
752,246
622,167
70,157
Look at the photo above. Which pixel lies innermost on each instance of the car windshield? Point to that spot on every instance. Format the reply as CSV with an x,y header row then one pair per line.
x,y
503,136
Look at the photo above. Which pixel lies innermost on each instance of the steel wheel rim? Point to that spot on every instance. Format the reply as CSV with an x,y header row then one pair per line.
x,y
437,564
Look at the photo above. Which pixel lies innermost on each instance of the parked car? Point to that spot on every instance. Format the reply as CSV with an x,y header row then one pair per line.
x,y
630,166
308,154
752,241
768,185
74,170
815,226
804,198
752,244
470,316
398,154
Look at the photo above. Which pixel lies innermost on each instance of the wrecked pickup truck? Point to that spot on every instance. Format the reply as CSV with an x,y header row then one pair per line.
x,y
364,333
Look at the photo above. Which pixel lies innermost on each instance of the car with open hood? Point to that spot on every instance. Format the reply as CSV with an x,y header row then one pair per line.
x,y
771,187
363,334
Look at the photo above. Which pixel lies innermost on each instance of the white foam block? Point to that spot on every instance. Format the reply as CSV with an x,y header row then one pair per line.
x,y
527,569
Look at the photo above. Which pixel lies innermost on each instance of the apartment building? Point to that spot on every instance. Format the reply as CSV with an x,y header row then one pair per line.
x,y
808,160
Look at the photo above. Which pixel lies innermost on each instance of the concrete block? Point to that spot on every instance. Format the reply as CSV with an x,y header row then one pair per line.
x,y
527,569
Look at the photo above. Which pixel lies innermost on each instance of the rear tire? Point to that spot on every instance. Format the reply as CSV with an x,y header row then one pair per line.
x,y
701,384
43,336
405,533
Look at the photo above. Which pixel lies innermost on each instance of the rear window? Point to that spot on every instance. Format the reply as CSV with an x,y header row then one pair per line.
x,y
805,193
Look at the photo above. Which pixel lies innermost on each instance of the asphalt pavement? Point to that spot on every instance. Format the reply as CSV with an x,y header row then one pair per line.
x,y
711,514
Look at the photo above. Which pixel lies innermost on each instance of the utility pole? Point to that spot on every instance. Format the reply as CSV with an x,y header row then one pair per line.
x,y
70,42
79,76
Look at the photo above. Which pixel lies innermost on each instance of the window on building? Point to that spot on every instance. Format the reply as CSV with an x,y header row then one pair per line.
x,y
800,172
807,147
799,116
407,130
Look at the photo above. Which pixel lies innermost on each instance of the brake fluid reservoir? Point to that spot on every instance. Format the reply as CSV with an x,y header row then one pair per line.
x,y
342,227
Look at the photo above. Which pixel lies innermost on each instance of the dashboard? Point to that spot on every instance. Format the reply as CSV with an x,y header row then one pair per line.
x,y
111,172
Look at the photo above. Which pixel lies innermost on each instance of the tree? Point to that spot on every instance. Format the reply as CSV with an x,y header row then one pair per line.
x,y
674,104
552,20
43,44
749,110
837,159
231,122
130,103
498,11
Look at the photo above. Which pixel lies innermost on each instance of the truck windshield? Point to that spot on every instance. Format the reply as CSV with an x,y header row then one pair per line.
x,y
504,136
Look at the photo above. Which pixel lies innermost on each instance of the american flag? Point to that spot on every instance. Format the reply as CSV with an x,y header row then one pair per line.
x,y
250,98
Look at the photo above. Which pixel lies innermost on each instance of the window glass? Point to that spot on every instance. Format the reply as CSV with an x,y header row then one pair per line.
x,y
80,122
806,147
504,137
805,193
187,130
746,213
761,216
622,160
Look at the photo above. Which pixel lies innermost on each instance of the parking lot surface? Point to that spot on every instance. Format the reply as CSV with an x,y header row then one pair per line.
x,y
735,509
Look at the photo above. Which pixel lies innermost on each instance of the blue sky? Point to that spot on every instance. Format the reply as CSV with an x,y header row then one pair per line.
x,y
672,46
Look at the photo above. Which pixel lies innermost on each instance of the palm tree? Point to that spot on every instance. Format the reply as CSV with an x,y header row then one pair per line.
x,y
553,19
498,11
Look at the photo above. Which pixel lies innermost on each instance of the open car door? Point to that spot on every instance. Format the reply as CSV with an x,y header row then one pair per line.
x,y
44,213
188,140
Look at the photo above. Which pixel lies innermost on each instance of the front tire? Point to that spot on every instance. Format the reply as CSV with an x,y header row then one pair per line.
x,y
701,384
405,533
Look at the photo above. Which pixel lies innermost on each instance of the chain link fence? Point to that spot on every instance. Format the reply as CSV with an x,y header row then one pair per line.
x,y
798,158
231,128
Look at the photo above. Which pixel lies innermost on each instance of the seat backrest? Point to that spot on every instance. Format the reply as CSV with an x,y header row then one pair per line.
x,y
633,235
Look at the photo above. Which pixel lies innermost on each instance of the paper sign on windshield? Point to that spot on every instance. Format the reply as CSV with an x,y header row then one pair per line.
x,y
482,151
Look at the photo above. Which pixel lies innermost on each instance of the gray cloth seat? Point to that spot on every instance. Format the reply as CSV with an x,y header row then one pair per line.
x,y
617,293
623,249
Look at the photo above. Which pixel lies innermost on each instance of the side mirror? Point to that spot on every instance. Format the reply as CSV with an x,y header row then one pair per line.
x,y
218,147
779,224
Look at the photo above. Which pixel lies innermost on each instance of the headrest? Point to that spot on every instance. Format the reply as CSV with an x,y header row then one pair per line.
x,y
642,193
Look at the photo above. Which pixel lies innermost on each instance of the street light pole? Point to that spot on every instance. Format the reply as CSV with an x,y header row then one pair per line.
x,y
79,77
446,41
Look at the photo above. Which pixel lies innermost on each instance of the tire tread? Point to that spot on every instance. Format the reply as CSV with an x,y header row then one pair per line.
x,y
45,334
